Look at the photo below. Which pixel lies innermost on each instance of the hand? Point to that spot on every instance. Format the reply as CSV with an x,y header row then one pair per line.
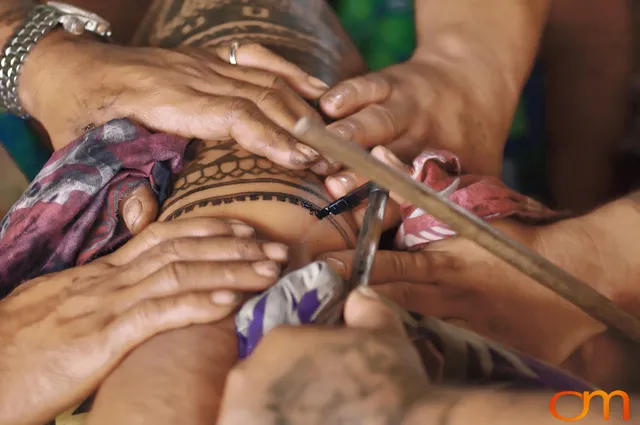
x,y
61,334
457,281
368,372
421,103
189,92
461,283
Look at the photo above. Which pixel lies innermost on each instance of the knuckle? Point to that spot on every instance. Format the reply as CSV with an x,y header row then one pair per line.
x,y
173,273
275,83
154,232
277,137
438,263
245,249
398,265
268,97
378,84
240,106
226,274
384,116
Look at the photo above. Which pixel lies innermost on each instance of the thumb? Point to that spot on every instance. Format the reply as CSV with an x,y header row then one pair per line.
x,y
139,208
387,157
393,266
341,183
366,310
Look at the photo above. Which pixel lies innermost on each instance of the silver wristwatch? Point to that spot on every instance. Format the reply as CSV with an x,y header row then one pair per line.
x,y
41,20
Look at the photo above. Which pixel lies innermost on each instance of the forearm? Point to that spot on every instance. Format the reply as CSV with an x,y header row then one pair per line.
x,y
500,407
505,34
176,377
487,48
608,359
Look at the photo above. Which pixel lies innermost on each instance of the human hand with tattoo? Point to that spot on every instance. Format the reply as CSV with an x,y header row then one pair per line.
x,y
457,281
61,334
368,372
191,92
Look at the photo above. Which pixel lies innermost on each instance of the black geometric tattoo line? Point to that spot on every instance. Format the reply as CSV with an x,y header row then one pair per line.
x,y
230,161
260,196
248,181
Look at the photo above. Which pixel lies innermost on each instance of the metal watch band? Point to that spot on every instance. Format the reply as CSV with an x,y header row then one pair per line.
x,y
39,22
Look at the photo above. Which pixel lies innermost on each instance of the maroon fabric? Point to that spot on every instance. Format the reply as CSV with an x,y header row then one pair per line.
x,y
68,215
486,197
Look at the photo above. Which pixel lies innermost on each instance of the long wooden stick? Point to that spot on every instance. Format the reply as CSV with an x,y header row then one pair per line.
x,y
469,226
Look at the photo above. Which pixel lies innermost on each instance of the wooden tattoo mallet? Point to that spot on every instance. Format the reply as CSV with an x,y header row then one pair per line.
x,y
467,225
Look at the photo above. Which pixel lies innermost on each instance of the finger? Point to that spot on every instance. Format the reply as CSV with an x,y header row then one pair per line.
x,y
352,95
277,101
257,56
139,208
183,277
365,310
152,317
376,124
387,157
427,300
341,183
406,148
269,80
158,233
209,249
393,266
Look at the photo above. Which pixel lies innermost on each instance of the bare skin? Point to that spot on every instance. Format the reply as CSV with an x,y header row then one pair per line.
x,y
369,372
221,179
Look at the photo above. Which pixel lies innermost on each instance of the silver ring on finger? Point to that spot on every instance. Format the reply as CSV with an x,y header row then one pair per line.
x,y
233,59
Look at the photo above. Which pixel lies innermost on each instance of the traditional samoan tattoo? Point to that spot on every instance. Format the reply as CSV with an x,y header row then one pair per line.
x,y
216,161
261,196
306,32
212,165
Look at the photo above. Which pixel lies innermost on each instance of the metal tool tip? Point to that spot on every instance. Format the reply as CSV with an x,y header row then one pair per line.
x,y
303,125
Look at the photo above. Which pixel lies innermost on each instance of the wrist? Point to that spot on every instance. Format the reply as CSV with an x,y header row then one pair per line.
x,y
42,67
488,98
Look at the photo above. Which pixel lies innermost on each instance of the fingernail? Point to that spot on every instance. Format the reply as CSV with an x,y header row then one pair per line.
x,y
367,292
242,230
343,130
317,83
132,210
276,251
347,181
307,151
234,221
337,99
337,265
267,268
392,158
225,297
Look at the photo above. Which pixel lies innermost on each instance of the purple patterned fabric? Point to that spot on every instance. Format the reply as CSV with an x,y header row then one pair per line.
x,y
68,215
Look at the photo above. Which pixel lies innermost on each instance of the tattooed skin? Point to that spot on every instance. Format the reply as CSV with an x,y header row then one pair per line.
x,y
375,382
306,32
